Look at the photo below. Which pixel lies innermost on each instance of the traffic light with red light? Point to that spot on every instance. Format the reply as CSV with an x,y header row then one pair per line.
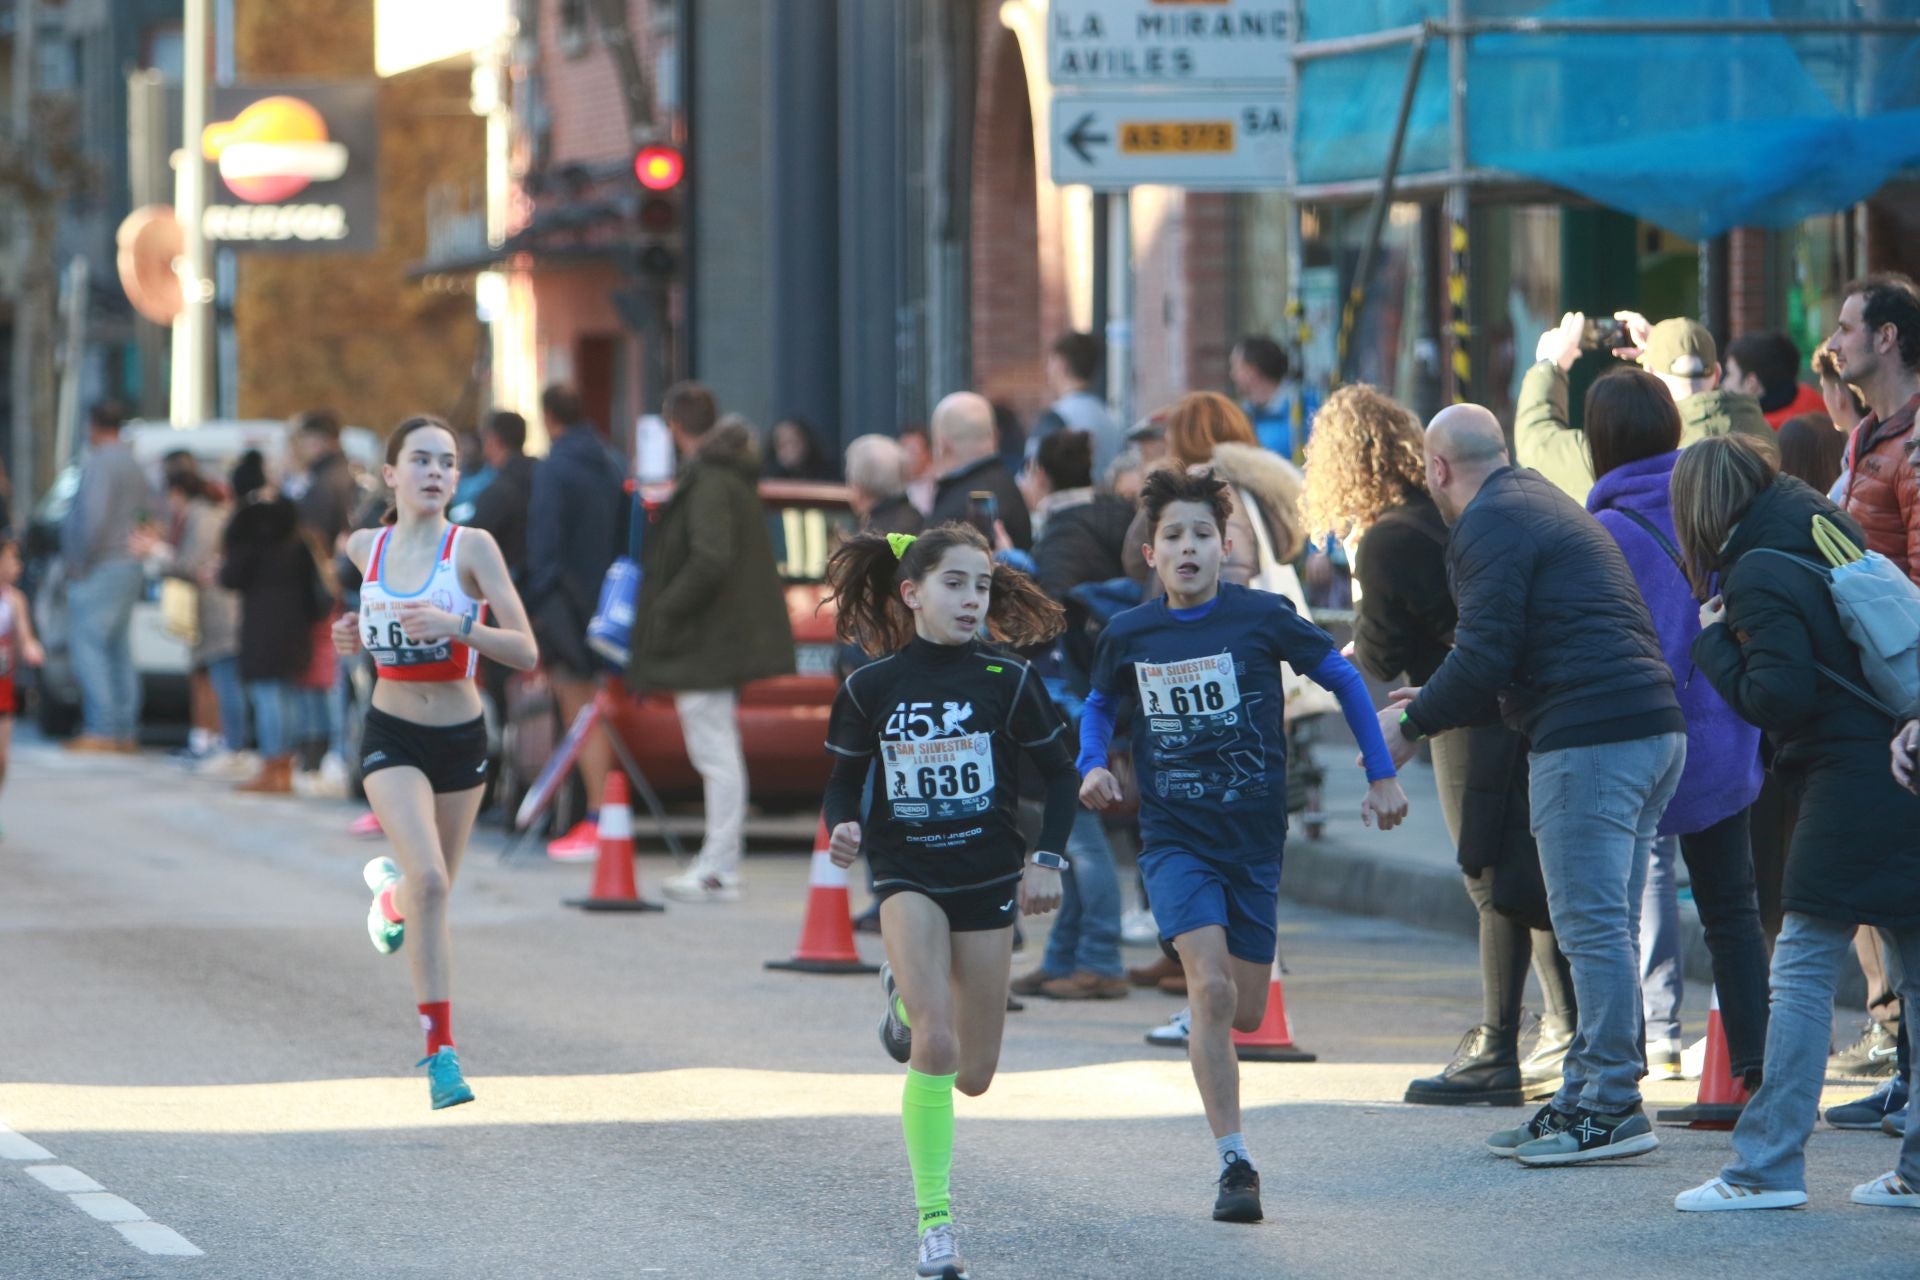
x,y
660,169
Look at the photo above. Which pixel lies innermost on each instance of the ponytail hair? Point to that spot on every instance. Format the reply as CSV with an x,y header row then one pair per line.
x,y
865,574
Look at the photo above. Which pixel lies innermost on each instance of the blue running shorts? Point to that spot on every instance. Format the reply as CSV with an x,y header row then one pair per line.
x,y
1189,892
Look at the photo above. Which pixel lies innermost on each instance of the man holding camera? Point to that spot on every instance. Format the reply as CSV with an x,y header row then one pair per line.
x,y
1679,352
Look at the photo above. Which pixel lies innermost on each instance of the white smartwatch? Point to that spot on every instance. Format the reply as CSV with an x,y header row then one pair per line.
x,y
1051,861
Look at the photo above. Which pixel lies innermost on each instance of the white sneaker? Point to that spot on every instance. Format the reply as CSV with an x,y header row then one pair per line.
x,y
1716,1195
698,885
322,785
228,766
1176,1033
1693,1060
1888,1191
1665,1060
1138,929
940,1255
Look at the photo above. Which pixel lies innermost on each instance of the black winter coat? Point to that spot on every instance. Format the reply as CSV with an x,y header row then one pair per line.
x,y
991,475
1853,859
895,515
265,559
1405,616
1077,545
1551,624
501,509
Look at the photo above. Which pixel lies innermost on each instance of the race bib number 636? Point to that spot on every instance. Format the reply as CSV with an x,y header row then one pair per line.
x,y
939,778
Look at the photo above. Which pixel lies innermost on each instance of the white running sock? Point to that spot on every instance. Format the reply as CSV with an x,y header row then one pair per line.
x,y
1232,1147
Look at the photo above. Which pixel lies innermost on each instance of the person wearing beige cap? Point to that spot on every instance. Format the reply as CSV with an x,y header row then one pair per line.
x,y
1679,352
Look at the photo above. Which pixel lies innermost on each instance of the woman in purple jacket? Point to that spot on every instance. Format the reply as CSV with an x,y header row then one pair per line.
x,y
1633,435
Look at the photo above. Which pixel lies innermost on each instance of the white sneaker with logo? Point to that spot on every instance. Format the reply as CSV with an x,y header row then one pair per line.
x,y
1176,1033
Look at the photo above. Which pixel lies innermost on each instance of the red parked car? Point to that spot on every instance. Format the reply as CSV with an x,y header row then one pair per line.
x,y
783,721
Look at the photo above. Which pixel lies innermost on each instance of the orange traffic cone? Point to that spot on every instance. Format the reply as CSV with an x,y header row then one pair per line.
x,y
826,939
613,886
1721,1097
1273,1042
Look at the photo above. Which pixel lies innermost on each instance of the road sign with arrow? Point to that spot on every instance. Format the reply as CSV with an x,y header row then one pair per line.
x,y
1204,142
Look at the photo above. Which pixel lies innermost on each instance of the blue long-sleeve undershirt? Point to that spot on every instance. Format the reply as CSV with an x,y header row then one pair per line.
x,y
1334,674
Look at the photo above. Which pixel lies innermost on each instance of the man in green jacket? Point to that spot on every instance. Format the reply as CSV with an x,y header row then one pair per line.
x,y
712,616
1679,352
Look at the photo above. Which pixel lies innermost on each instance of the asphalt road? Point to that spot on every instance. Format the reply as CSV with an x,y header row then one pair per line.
x,y
192,1021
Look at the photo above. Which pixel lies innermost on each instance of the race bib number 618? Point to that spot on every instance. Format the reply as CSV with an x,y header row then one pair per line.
x,y
1200,687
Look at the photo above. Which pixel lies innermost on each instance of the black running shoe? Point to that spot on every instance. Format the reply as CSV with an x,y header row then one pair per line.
x,y
1239,1198
1545,1121
894,1034
1593,1135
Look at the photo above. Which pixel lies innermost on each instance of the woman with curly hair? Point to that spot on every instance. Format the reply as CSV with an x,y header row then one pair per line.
x,y
1367,484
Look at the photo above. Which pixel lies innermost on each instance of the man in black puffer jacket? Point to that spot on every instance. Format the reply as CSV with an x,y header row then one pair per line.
x,y
1552,626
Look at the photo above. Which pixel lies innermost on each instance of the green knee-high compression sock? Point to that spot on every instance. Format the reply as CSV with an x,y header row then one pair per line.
x,y
926,1118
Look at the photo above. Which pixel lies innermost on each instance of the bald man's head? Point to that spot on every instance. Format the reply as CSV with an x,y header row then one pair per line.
x,y
963,430
1467,435
1464,445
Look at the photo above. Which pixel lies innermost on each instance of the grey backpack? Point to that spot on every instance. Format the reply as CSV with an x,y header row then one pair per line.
x,y
1879,609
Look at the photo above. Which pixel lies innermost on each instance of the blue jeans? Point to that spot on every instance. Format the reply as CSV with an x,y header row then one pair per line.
x,y
1595,814
100,613
1770,1142
1086,933
312,712
224,675
269,698
1663,983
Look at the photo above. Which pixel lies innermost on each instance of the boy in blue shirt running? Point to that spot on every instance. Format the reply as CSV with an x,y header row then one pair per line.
x,y
1202,665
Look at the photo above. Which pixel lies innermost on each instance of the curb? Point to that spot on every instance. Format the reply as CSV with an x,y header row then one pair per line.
x,y
1334,873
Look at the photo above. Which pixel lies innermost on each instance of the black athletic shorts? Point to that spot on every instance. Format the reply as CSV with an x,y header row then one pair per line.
x,y
453,756
993,906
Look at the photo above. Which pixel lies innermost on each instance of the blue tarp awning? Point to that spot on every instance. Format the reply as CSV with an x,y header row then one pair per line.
x,y
1696,133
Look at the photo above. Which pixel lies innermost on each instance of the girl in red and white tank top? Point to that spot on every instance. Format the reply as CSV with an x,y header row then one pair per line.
x,y
17,645
383,635
423,755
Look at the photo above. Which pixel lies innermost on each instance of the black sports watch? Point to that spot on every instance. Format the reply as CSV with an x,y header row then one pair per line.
x,y
1051,861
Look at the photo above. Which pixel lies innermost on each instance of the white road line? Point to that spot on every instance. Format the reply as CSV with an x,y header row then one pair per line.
x,y
94,1200
154,1237
107,1207
15,1147
63,1177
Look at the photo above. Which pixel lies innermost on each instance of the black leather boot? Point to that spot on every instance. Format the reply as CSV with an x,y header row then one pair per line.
x,y
1485,1071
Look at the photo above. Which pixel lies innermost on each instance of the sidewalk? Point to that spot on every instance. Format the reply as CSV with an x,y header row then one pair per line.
x,y
1410,873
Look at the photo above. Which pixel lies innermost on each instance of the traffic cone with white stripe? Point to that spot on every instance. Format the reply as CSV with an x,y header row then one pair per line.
x,y
1721,1097
826,938
1273,1041
613,884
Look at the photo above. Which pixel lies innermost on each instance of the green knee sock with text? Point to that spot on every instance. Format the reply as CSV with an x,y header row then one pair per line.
x,y
926,1118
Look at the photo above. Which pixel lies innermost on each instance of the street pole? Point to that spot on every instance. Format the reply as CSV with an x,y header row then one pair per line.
x,y
1459,378
193,331
25,318
1120,305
